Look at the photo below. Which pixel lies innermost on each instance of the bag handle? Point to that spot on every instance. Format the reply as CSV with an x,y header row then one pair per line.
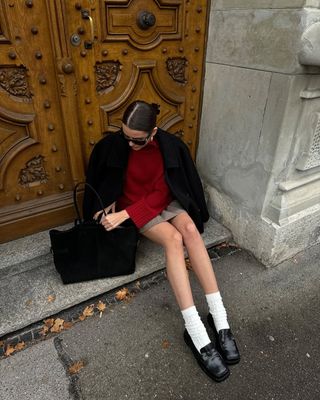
x,y
75,202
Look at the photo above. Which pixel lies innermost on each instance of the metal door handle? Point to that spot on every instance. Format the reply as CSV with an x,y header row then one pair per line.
x,y
86,15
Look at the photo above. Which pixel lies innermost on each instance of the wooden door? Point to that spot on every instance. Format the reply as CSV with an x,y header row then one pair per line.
x,y
40,154
136,49
68,70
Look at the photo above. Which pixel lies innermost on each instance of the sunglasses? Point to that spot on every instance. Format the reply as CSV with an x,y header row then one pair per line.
x,y
137,141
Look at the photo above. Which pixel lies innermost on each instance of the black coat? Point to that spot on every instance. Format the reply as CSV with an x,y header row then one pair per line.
x,y
107,167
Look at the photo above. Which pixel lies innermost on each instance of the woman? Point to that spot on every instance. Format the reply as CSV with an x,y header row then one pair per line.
x,y
151,176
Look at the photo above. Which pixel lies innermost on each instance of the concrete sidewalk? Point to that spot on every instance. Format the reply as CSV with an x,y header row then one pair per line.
x,y
136,351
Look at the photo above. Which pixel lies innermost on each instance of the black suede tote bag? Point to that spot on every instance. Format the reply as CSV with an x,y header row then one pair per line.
x,y
87,251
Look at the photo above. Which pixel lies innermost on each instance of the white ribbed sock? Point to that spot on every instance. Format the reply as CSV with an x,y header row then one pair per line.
x,y
195,327
217,311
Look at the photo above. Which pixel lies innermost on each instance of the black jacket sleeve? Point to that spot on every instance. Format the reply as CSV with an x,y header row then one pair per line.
x,y
194,181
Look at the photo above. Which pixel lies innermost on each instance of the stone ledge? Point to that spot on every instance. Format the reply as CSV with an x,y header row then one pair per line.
x,y
24,293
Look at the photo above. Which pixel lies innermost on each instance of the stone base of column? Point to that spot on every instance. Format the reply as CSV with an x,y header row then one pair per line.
x,y
269,242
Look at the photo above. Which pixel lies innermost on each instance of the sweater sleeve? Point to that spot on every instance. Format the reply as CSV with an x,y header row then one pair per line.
x,y
150,205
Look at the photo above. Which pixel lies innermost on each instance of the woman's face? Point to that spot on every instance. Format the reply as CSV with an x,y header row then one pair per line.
x,y
139,136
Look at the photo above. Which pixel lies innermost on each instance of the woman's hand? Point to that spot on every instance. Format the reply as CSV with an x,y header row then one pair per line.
x,y
111,221
112,207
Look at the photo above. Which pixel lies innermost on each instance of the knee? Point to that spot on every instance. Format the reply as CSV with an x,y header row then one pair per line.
x,y
190,231
174,240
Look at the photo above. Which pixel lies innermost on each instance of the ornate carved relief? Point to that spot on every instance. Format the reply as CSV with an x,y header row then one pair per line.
x,y
176,67
107,73
123,23
14,81
34,172
310,157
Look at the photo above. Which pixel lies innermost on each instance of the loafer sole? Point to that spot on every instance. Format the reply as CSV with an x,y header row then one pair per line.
x,y
215,378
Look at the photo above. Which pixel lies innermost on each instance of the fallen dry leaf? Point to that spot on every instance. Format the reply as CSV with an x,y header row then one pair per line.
x,y
20,346
101,306
10,349
51,298
122,294
87,312
67,325
76,367
44,330
28,303
57,326
188,264
138,284
1,343
49,322
165,344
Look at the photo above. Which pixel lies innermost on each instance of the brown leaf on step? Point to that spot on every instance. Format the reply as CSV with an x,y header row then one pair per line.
x,y
122,294
1,343
28,303
188,264
101,306
165,344
49,322
10,349
67,325
221,245
57,326
44,330
87,312
76,367
138,285
20,346
51,298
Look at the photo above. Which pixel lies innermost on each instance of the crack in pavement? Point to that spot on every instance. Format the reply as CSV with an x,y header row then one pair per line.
x,y
66,361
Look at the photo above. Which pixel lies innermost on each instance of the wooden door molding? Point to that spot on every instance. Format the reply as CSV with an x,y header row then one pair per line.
x,y
17,132
5,34
144,79
67,85
119,22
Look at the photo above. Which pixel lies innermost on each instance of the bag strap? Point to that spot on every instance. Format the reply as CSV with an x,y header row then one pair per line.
x,y
75,202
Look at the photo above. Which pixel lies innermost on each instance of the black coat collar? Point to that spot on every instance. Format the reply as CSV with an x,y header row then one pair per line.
x,y
168,149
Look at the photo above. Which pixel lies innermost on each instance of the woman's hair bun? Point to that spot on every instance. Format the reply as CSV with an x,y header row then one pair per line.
x,y
156,107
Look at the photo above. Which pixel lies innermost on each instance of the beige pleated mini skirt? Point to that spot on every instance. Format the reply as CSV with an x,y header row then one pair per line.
x,y
173,209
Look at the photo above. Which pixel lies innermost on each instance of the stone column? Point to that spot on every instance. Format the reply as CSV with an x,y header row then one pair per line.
x,y
259,148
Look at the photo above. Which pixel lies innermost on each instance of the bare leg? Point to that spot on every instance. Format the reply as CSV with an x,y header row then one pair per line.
x,y
200,261
167,236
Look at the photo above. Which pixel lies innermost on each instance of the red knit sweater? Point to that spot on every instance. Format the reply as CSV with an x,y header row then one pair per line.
x,y
145,192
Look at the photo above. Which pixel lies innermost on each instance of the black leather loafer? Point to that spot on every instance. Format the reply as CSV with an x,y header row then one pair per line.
x,y
225,343
209,360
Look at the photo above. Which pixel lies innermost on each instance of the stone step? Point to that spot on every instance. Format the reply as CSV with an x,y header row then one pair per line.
x,y
28,277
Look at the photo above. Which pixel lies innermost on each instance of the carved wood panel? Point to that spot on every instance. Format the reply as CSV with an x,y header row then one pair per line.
x,y
34,154
136,49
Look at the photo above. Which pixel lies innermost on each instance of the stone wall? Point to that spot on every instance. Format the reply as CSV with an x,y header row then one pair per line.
x,y
259,148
